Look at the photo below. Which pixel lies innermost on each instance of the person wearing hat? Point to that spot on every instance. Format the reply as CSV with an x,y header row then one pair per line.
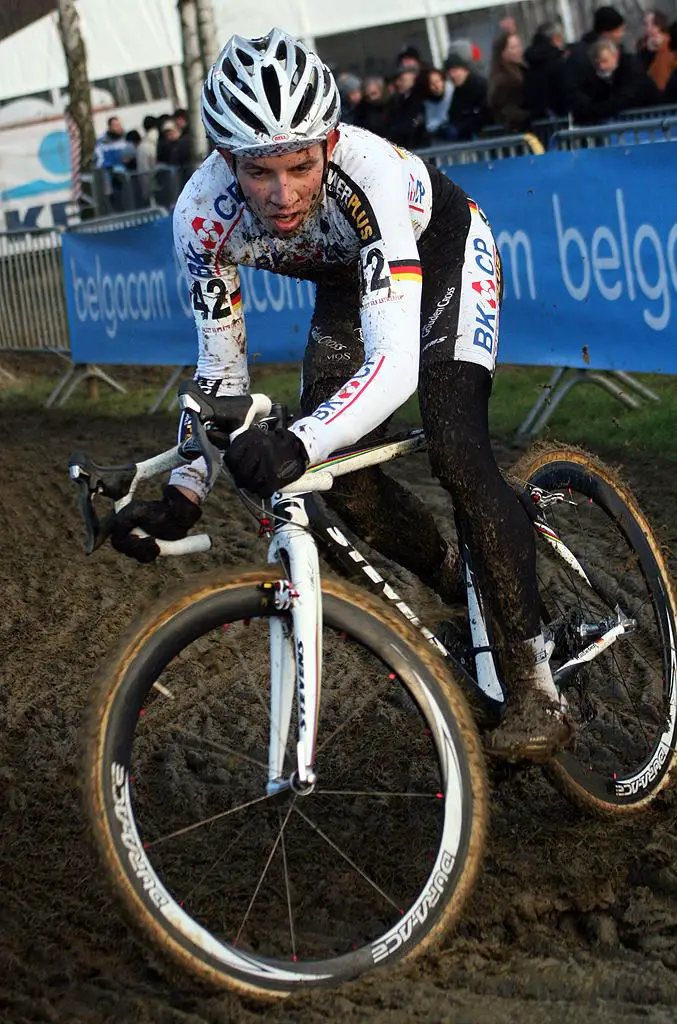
x,y
628,85
468,110
350,91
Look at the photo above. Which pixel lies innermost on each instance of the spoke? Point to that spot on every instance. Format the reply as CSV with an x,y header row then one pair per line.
x,y
345,722
263,874
286,884
221,748
374,792
330,842
208,821
215,864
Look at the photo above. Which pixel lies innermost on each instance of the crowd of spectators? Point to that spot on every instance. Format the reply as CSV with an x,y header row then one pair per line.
x,y
130,160
591,81
419,105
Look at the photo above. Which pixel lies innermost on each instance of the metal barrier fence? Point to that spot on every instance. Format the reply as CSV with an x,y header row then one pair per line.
x,y
619,133
478,151
32,296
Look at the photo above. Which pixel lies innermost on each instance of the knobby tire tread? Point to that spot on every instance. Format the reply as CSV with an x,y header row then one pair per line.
x,y
163,948
542,455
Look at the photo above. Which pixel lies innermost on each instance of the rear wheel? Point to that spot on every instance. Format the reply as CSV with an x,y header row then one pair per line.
x,y
272,894
623,703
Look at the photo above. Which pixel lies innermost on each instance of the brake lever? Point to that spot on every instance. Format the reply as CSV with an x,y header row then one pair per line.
x,y
89,483
199,442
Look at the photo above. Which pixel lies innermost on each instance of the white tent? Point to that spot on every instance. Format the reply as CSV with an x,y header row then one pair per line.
x,y
123,36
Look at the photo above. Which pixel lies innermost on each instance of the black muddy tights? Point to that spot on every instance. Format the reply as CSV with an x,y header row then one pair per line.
x,y
454,399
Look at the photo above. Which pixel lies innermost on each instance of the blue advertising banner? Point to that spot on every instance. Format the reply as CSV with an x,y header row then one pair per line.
x,y
589,247
128,302
588,241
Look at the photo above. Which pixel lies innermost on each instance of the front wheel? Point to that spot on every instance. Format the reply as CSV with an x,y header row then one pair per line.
x,y
622,702
269,894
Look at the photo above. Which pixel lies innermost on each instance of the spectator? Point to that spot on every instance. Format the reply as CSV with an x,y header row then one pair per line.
x,y
468,111
112,154
437,91
626,84
407,116
180,119
647,44
112,149
609,91
543,78
146,158
670,94
506,83
168,133
133,138
146,154
350,90
656,55
408,59
469,51
373,110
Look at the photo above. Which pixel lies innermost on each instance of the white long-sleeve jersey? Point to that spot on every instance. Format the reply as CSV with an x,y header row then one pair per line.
x,y
376,203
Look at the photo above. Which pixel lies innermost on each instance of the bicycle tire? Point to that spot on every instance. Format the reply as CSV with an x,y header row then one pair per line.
x,y
646,588
112,720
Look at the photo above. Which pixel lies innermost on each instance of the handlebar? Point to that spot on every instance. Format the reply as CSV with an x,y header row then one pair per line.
x,y
214,423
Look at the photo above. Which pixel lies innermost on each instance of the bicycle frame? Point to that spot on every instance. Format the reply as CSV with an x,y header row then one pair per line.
x,y
296,655
296,646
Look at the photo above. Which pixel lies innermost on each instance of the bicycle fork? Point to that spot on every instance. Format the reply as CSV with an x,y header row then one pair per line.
x,y
295,647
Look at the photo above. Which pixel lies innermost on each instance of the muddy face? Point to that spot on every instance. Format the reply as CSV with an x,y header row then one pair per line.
x,y
283,191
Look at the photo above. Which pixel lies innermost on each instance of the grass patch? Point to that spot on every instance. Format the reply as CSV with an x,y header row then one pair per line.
x,y
588,415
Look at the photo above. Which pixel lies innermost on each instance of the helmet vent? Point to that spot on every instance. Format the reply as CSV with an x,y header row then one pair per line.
x,y
271,87
245,115
307,99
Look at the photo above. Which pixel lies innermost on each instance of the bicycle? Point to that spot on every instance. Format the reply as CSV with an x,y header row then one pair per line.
x,y
366,849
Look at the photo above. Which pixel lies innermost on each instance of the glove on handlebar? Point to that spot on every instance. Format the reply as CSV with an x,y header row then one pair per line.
x,y
168,519
262,461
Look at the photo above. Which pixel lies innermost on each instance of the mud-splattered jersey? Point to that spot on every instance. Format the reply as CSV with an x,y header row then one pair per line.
x,y
376,204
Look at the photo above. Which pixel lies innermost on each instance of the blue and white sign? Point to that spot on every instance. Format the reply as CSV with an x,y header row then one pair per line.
x,y
128,302
588,241
589,248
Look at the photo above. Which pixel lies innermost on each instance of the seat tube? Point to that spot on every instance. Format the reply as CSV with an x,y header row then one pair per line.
x,y
295,548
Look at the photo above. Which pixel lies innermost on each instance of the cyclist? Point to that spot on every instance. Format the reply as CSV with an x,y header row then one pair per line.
x,y
408,295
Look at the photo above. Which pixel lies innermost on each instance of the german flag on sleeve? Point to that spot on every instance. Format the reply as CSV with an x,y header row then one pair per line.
x,y
406,270
236,302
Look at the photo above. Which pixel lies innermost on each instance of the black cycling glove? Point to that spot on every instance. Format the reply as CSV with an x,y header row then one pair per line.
x,y
262,461
169,519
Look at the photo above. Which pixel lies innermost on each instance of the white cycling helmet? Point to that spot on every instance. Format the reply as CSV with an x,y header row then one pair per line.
x,y
269,95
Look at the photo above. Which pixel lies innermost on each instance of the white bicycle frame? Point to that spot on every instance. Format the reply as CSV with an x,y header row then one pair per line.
x,y
296,651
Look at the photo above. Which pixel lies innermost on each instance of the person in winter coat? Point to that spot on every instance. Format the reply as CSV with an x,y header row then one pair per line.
x,y
468,110
670,93
544,74
407,116
437,92
624,84
506,83
373,110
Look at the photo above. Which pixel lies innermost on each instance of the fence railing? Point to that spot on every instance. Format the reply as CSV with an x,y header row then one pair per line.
x,y
620,133
32,296
33,313
478,151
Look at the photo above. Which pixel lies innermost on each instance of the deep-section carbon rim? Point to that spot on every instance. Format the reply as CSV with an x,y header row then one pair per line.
x,y
624,703
294,890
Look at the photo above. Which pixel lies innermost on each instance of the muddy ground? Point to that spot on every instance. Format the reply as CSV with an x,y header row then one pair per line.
x,y
573,920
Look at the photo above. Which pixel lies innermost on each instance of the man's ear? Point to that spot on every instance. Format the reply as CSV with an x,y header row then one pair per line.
x,y
332,139
228,157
